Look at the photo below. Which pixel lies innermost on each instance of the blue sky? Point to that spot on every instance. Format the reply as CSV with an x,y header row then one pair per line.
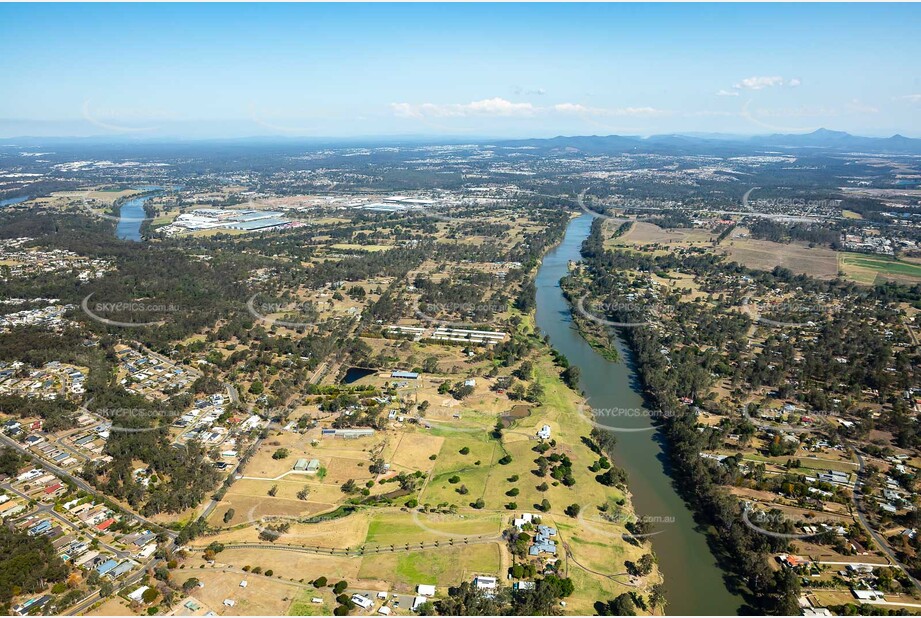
x,y
233,70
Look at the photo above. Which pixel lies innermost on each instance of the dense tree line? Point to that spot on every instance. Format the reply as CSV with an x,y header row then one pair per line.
x,y
766,229
10,461
467,600
28,564
685,372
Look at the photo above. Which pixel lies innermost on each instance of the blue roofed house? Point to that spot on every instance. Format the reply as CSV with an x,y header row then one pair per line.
x,y
107,566
544,547
121,569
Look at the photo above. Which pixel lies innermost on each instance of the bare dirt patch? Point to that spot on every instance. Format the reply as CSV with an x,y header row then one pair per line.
x,y
262,597
817,262
642,233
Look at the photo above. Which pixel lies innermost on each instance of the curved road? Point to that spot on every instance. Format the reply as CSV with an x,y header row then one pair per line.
x,y
877,537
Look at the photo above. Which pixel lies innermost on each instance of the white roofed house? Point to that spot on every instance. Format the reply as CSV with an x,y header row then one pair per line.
x,y
868,595
544,433
362,601
138,594
147,551
251,422
525,518
484,582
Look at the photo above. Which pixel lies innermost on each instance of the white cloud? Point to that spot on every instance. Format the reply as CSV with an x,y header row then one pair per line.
x,y
497,107
403,110
759,83
911,98
486,107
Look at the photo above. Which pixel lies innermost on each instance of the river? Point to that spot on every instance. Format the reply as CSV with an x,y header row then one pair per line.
x,y
131,215
694,582
13,201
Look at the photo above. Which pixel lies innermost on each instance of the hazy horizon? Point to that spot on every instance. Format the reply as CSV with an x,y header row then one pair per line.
x,y
457,71
358,140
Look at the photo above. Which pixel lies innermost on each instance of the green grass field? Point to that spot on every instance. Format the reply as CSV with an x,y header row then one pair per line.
x,y
440,567
302,606
309,609
397,528
805,462
594,546
864,268
451,462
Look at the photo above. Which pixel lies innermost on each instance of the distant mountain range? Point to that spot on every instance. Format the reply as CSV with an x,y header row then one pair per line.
x,y
717,144
822,139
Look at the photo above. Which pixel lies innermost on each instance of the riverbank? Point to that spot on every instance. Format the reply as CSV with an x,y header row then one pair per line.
x,y
694,582
133,214
743,553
